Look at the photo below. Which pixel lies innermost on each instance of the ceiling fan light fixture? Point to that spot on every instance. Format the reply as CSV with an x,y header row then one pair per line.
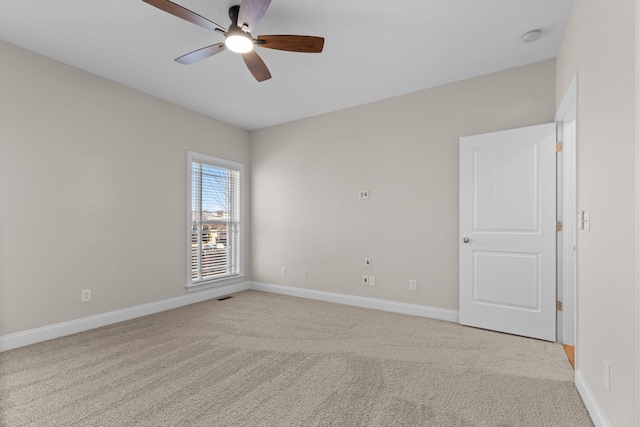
x,y
239,42
244,18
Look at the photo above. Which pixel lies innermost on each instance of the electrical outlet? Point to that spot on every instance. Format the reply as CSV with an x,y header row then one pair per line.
x,y
413,285
283,271
367,262
365,280
372,280
607,375
363,194
86,295
304,273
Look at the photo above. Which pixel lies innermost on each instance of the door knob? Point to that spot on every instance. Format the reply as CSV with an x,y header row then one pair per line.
x,y
465,240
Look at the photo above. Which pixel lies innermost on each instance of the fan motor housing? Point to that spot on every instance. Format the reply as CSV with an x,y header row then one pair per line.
x,y
233,14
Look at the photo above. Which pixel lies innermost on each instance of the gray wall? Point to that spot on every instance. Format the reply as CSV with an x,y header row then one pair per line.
x,y
306,176
92,191
599,43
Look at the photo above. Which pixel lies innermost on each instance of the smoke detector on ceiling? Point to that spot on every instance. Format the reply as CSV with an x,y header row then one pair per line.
x,y
531,36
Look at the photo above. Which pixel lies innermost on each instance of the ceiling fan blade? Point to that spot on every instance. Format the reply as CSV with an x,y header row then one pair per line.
x,y
251,12
200,54
256,66
306,44
184,13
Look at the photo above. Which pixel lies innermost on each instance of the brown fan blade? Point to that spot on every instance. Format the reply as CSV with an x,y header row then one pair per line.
x,y
184,13
256,66
306,44
200,54
251,12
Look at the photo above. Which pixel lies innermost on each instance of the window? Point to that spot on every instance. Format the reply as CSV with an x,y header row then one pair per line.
x,y
214,219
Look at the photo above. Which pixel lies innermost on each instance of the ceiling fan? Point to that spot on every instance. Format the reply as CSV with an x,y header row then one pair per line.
x,y
244,19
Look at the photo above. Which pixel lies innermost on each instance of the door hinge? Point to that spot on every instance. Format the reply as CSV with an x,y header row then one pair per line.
x,y
559,305
558,147
558,226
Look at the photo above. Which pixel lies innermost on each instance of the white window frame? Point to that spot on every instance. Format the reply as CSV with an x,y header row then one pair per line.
x,y
226,164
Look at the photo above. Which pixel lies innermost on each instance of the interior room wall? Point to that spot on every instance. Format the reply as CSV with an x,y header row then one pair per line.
x,y
306,176
599,44
92,191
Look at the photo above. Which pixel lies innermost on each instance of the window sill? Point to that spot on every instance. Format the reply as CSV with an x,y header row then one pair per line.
x,y
214,283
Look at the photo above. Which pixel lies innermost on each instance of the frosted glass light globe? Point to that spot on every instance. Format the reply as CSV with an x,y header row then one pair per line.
x,y
239,43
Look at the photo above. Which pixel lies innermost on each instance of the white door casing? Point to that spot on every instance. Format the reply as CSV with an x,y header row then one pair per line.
x,y
566,117
508,231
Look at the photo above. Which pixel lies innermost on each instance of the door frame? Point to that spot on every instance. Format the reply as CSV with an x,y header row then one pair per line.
x,y
637,236
568,283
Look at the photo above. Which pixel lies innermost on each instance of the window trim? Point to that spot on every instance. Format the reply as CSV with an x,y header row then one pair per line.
x,y
226,164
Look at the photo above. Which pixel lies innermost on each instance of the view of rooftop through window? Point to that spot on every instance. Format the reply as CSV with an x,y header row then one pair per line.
x,y
214,222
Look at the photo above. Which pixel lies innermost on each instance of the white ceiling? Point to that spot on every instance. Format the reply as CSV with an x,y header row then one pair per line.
x,y
373,49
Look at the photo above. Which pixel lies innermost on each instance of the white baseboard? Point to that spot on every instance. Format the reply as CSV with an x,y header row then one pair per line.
x,y
590,401
32,336
378,304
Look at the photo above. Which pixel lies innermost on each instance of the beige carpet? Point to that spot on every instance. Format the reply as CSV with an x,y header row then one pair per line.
x,y
260,359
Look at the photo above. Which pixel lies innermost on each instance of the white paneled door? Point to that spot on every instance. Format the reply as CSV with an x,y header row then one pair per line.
x,y
508,231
